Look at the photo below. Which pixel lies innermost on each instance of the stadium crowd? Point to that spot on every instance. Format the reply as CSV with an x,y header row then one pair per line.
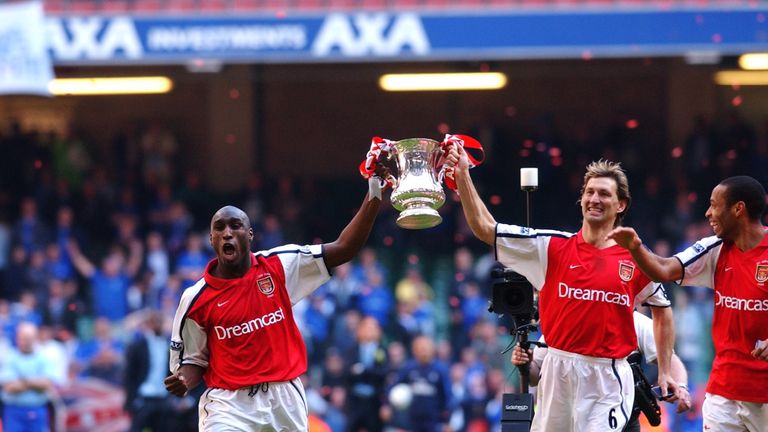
x,y
90,242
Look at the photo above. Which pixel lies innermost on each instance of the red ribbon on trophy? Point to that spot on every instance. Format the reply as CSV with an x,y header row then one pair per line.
x,y
381,147
472,147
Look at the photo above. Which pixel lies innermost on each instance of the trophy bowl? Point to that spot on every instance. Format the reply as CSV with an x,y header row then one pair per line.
x,y
417,193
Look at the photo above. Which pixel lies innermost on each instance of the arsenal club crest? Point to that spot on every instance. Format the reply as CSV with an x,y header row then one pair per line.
x,y
266,286
761,273
626,271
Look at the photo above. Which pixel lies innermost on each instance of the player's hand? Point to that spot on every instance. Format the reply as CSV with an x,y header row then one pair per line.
x,y
176,385
761,350
372,166
520,357
625,237
457,157
668,386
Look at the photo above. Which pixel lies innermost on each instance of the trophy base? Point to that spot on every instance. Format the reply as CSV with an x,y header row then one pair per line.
x,y
418,218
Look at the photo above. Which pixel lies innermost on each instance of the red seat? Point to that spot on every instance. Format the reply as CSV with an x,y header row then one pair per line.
x,y
406,4
82,6
213,5
374,4
146,5
181,5
276,5
54,6
340,4
114,6
245,5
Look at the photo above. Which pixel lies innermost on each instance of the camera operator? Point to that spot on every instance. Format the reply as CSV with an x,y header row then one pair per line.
x,y
587,290
646,348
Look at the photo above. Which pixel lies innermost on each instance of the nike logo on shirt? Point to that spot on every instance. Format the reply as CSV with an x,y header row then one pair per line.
x,y
728,268
222,303
573,266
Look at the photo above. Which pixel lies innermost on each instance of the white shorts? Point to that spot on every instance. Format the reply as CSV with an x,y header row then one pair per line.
x,y
268,407
726,415
584,394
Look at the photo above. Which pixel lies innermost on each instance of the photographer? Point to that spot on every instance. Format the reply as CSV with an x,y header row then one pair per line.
x,y
587,286
646,348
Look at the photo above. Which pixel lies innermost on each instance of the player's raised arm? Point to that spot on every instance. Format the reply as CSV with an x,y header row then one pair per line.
x,y
658,268
478,217
355,234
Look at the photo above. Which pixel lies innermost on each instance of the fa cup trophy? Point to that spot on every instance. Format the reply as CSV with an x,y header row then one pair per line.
x,y
414,168
416,192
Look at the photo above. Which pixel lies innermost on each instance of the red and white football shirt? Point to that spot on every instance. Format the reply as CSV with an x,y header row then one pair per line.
x,y
242,331
586,294
741,313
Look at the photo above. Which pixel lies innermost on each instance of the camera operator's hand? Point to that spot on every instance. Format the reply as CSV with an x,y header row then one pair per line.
x,y
684,401
520,357
761,350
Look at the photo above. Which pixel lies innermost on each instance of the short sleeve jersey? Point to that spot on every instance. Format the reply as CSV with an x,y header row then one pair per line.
x,y
586,294
740,316
242,331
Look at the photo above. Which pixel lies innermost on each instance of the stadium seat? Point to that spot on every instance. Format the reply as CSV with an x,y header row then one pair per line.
x,y
82,6
113,6
374,4
307,4
54,6
405,4
181,5
213,5
147,6
245,5
340,4
276,4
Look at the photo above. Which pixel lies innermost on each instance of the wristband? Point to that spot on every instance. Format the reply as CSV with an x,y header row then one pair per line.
x,y
374,188
683,386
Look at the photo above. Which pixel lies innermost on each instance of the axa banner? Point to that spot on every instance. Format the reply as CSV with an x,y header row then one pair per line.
x,y
25,64
406,36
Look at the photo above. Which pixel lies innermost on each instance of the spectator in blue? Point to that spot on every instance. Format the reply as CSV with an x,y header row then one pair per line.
x,y
7,323
15,273
368,260
58,264
26,309
431,388
375,299
271,233
30,231
317,319
179,226
473,305
146,366
63,308
110,283
66,231
191,261
366,378
100,356
37,275
342,286
26,377
158,264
